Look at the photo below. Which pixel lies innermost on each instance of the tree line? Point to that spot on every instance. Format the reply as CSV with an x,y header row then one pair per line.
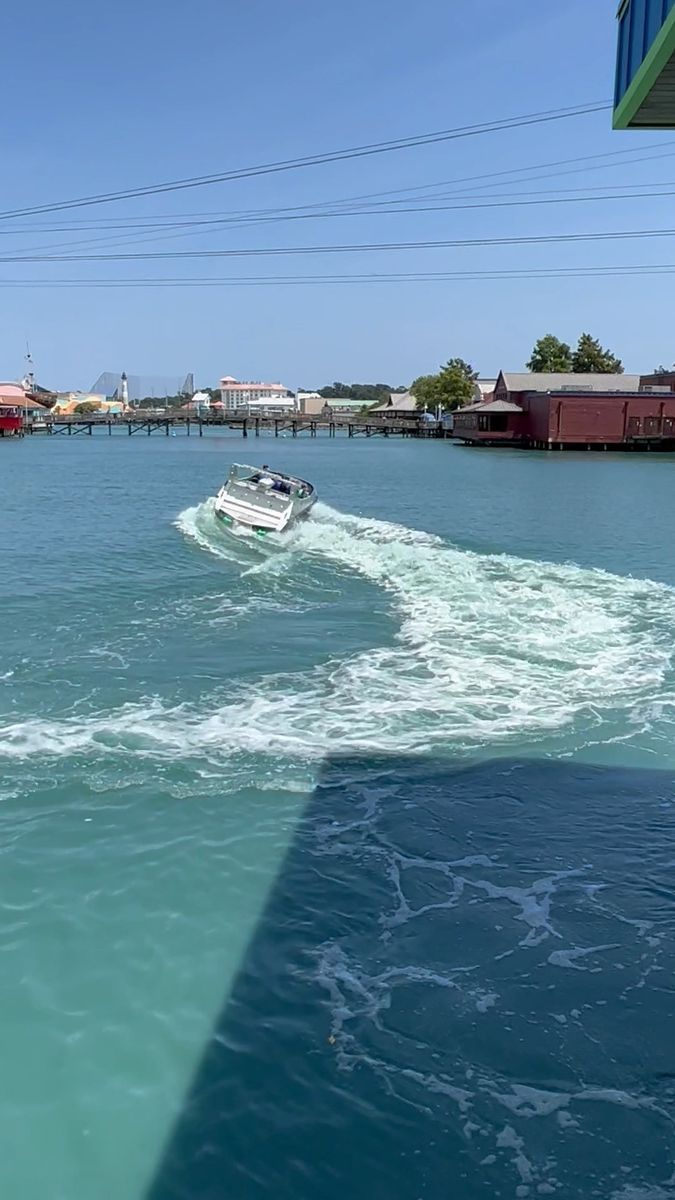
x,y
370,394
588,358
453,385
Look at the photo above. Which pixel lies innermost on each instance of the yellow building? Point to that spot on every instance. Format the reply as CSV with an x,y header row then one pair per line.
x,y
67,403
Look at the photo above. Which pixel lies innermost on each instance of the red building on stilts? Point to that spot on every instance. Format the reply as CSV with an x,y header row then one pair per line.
x,y
566,411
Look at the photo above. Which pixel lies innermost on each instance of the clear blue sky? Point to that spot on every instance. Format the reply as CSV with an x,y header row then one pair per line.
x,y
103,98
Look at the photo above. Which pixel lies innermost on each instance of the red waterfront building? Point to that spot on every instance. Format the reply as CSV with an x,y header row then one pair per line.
x,y
12,399
560,411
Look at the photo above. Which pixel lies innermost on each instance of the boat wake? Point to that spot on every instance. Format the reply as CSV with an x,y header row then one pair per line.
x,y
489,648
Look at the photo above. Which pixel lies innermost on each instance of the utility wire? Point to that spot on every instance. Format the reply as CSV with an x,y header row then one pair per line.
x,y
176,219
387,147
535,273
532,240
195,228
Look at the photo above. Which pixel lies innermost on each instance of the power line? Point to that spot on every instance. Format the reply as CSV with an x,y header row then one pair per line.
x,y
490,176
533,273
425,139
501,200
193,228
202,222
176,220
273,251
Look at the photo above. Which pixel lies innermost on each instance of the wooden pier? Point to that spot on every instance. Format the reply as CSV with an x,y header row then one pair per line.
x,y
296,426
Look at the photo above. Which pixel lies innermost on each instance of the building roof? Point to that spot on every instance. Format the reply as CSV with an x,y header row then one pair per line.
x,y
339,402
13,394
12,391
483,389
499,406
399,402
267,401
556,381
230,384
491,406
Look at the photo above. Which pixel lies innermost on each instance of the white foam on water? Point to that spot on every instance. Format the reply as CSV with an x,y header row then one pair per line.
x,y
489,649
358,1001
355,995
508,1139
570,958
200,524
631,1192
527,1101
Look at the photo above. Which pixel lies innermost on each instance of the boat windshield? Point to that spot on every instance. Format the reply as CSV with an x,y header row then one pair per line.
x,y
267,481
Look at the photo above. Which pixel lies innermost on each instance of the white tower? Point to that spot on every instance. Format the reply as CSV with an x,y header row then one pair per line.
x,y
124,391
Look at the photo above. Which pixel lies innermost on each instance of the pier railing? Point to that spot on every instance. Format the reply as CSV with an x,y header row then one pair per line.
x,y
294,426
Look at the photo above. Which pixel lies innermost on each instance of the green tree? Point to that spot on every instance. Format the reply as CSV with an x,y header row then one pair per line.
x,y
368,393
86,407
426,391
590,357
452,387
336,391
550,354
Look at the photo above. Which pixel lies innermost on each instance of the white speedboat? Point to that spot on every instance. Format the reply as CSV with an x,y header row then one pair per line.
x,y
265,501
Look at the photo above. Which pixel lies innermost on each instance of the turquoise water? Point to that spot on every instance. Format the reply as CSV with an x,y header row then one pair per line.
x,y
343,864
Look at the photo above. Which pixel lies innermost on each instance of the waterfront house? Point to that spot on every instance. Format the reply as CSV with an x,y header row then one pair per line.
x,y
511,386
12,397
11,419
201,404
399,406
34,414
554,411
18,410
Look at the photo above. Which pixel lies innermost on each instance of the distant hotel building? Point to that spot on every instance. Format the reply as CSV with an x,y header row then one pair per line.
x,y
236,395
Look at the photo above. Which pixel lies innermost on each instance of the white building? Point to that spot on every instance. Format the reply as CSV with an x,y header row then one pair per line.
x,y
310,403
239,395
270,406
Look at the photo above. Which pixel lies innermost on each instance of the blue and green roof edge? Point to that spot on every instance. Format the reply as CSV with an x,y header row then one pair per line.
x,y
656,58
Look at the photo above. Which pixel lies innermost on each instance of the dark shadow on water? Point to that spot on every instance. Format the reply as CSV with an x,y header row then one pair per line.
x,y
461,987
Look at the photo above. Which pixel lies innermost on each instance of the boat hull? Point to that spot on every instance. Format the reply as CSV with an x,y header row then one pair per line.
x,y
262,499
257,519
